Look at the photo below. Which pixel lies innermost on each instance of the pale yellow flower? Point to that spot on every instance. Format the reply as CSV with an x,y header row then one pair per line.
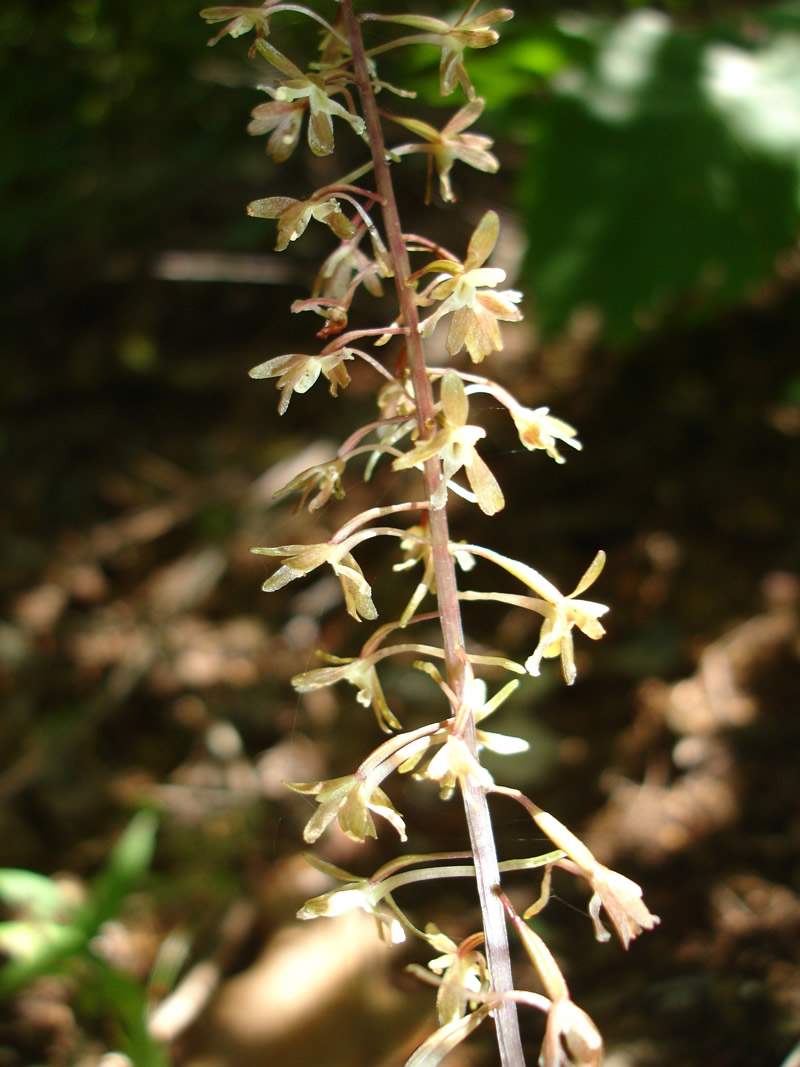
x,y
296,372
455,444
300,560
561,613
619,896
314,91
239,20
351,800
294,216
326,478
359,672
537,428
452,144
453,41
468,293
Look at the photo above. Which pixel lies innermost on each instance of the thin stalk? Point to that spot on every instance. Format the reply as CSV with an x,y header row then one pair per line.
x,y
487,871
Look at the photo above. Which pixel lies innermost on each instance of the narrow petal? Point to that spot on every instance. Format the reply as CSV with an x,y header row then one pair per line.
x,y
590,574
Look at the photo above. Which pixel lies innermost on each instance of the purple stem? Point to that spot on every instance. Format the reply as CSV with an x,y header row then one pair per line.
x,y
487,872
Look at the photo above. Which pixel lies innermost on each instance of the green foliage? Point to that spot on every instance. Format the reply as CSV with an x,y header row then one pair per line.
x,y
662,162
94,159
50,933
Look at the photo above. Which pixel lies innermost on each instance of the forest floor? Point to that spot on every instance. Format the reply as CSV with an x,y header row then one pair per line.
x,y
140,663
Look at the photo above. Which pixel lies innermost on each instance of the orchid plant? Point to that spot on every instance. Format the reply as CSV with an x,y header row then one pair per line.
x,y
425,432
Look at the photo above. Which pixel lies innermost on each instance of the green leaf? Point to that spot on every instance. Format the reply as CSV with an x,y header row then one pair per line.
x,y
653,182
129,860
42,947
39,897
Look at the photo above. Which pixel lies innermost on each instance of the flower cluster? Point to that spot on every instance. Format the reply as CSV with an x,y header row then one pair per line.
x,y
423,426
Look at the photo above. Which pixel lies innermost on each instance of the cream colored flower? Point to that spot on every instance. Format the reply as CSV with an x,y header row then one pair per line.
x,y
622,900
363,894
452,144
294,216
351,800
296,94
283,120
468,293
455,444
296,372
621,897
325,478
359,672
300,560
239,20
561,613
314,90
453,41
537,428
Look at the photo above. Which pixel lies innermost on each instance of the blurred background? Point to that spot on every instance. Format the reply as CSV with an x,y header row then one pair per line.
x,y
152,858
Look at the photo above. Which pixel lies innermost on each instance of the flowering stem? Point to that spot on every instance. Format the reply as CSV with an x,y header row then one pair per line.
x,y
475,803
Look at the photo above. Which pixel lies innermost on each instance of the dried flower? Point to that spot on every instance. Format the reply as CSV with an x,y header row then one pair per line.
x,y
468,293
